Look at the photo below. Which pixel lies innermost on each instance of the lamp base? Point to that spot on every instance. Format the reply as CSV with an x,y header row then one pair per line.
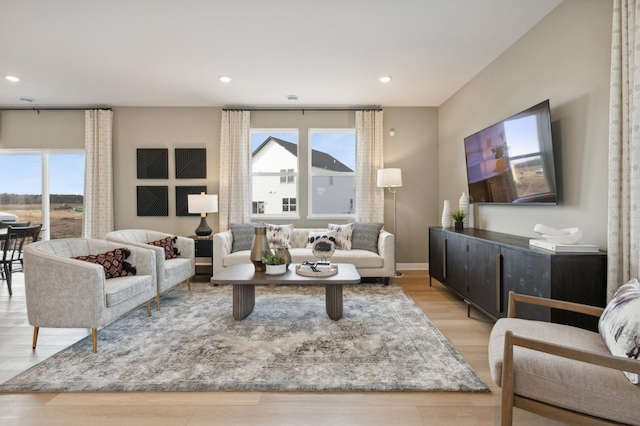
x,y
203,230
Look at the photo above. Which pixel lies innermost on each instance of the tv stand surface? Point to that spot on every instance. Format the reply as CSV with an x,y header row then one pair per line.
x,y
483,266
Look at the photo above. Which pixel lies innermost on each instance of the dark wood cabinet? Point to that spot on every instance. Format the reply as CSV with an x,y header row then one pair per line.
x,y
204,255
483,266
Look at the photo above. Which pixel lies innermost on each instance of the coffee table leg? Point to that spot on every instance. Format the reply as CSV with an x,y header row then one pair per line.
x,y
334,301
244,299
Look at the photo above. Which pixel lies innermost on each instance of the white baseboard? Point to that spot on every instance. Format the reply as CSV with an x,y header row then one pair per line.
x,y
412,266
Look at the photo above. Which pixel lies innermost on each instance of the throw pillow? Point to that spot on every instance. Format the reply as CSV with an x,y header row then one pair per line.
x,y
112,262
317,235
279,235
619,324
242,235
344,233
170,252
365,236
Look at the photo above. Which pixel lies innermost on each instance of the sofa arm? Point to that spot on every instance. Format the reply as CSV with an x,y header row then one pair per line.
x,y
222,242
386,249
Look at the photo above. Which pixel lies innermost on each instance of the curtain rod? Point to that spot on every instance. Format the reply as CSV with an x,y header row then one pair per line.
x,y
52,109
303,109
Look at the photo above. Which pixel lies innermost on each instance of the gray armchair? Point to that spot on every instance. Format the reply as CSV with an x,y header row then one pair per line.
x,y
63,292
170,272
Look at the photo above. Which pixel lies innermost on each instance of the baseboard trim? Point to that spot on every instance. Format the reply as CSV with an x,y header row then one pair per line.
x,y
412,266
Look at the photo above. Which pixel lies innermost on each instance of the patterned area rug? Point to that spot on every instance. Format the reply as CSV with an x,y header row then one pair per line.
x,y
383,342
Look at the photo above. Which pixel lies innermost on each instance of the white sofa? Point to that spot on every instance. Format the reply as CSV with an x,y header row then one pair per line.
x,y
368,263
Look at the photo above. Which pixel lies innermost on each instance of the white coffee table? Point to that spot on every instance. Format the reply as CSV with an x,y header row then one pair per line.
x,y
244,279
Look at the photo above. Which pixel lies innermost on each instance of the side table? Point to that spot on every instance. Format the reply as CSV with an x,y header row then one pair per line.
x,y
204,255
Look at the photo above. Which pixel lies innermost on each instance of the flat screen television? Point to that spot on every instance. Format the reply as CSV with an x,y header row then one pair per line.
x,y
511,162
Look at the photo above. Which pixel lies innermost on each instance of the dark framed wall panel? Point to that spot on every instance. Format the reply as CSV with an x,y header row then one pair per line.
x,y
153,200
152,163
182,206
191,163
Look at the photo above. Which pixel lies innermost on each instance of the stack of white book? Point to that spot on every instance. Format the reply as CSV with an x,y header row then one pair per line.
x,y
557,247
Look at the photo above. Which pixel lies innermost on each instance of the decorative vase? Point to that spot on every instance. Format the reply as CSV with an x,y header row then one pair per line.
x,y
259,248
446,214
463,204
283,251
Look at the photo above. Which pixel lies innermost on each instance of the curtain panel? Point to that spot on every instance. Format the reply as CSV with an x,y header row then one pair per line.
x,y
98,174
623,235
235,168
369,158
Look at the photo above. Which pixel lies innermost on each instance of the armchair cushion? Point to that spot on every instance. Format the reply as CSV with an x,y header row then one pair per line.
x,y
619,324
170,252
112,262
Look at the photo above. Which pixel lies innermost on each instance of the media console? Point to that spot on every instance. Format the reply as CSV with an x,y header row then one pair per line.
x,y
483,266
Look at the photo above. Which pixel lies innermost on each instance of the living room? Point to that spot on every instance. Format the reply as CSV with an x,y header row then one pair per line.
x,y
565,58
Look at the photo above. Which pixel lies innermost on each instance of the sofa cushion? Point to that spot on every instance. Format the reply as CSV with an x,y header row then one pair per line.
x,y
365,236
324,234
344,233
112,262
619,324
124,288
243,235
170,252
583,387
279,235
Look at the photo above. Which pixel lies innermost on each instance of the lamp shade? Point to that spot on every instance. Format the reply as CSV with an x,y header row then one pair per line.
x,y
389,177
202,203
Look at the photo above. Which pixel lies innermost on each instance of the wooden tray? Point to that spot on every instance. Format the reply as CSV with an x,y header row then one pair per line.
x,y
332,271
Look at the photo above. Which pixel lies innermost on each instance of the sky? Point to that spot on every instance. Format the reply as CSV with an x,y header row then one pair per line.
x,y
22,174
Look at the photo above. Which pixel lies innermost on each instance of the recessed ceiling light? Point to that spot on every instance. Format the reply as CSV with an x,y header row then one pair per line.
x,y
385,79
292,98
12,78
225,79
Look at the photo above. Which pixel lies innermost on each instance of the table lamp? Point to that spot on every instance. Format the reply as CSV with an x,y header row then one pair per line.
x,y
202,203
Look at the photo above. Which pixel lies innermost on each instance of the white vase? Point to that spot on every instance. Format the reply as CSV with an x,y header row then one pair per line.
x,y
446,215
463,204
276,269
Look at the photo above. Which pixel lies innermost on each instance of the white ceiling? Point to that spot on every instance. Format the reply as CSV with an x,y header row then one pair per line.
x,y
327,52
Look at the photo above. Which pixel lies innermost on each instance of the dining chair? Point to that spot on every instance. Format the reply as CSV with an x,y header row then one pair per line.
x,y
20,237
5,259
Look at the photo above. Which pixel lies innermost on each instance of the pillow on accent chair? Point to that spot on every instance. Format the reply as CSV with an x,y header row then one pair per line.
x,y
279,235
170,252
365,236
317,235
619,324
344,234
242,235
112,262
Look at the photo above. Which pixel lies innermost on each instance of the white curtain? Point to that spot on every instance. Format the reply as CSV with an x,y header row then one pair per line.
x,y
624,148
98,173
235,168
369,158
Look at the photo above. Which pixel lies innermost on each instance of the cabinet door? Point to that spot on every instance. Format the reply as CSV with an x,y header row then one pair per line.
x,y
483,278
526,272
456,263
436,254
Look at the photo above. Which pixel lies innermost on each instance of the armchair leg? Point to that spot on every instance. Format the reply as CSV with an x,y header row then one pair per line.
x,y
189,284
149,307
35,336
158,302
507,381
94,339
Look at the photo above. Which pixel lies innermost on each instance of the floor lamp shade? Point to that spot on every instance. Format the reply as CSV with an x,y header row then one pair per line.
x,y
203,204
391,178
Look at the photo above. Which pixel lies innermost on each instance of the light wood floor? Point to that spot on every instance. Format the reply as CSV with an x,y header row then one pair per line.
x,y
449,313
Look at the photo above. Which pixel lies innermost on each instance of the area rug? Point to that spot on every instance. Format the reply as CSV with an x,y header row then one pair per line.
x,y
383,342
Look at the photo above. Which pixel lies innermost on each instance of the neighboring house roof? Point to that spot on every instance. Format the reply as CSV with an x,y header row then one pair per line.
x,y
319,159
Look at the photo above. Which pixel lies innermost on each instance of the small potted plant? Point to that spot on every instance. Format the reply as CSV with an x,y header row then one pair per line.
x,y
276,263
458,216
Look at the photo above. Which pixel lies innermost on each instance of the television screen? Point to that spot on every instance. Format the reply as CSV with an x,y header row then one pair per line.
x,y
512,161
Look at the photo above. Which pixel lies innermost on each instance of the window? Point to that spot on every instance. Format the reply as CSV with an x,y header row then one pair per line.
x,y
44,187
332,183
274,167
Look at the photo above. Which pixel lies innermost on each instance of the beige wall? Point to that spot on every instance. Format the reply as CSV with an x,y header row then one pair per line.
x,y
162,128
30,129
566,59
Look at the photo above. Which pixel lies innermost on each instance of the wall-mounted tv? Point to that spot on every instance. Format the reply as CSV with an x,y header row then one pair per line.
x,y
511,162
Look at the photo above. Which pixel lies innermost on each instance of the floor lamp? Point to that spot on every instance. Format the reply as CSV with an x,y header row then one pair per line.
x,y
202,203
392,178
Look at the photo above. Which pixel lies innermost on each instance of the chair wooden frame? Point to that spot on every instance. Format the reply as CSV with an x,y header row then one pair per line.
x,y
5,261
510,399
